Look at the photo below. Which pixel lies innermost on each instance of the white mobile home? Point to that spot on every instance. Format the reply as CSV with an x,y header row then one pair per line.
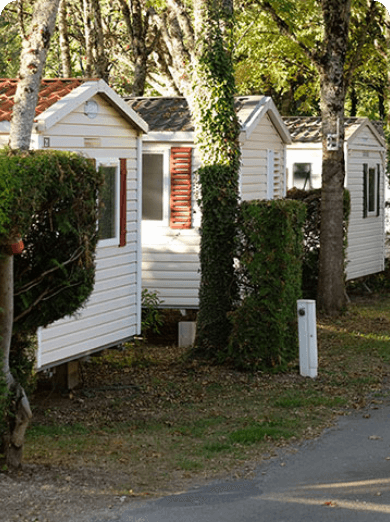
x,y
365,165
171,216
88,117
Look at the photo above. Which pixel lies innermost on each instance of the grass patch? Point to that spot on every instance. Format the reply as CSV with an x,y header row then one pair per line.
x,y
176,417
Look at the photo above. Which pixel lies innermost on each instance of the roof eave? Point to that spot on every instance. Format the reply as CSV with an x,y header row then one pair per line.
x,y
266,106
80,95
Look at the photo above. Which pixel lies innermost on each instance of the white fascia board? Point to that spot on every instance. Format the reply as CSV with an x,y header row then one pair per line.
x,y
130,114
267,106
184,137
80,95
367,123
66,105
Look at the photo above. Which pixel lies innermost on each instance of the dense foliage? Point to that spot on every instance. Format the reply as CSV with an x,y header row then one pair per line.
x,y
264,334
216,136
312,200
50,199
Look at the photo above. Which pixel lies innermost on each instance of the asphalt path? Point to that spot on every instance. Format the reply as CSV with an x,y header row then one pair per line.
x,y
343,476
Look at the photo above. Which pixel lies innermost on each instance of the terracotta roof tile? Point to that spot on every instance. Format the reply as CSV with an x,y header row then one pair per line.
x,y
51,91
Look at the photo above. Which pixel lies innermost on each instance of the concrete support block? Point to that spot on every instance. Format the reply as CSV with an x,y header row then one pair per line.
x,y
187,330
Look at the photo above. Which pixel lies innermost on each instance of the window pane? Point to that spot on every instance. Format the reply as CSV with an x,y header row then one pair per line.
x,y
152,187
371,190
301,174
107,221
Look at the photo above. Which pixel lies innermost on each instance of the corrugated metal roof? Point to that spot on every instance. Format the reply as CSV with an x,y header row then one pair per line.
x,y
51,91
164,114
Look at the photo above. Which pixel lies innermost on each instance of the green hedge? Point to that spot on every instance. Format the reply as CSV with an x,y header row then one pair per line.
x,y
264,327
311,251
50,199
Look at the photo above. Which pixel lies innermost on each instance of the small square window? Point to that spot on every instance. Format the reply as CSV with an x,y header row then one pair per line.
x,y
302,175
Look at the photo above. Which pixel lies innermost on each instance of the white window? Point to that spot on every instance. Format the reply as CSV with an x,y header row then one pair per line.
x,y
108,224
371,189
155,187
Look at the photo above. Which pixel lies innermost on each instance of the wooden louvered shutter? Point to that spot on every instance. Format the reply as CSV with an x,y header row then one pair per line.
x,y
122,202
180,200
365,188
378,189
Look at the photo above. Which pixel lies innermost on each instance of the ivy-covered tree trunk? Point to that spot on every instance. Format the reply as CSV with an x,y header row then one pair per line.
x,y
216,136
331,294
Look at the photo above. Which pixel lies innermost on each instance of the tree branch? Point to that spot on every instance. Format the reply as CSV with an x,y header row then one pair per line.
x,y
286,30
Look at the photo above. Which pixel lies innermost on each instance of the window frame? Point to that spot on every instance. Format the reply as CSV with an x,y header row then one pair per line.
x,y
164,222
376,168
308,179
112,162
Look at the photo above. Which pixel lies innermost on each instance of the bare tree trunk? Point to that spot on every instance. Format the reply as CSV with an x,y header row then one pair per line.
x,y
88,38
331,294
101,62
33,58
137,19
64,40
19,414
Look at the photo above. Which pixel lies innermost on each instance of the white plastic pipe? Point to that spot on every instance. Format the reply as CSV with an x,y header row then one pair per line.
x,y
307,333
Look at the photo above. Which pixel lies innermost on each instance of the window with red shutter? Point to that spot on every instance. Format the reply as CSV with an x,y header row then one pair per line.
x,y
181,187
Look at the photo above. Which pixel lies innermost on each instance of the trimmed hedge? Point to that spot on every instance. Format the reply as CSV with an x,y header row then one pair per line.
x,y
311,249
264,328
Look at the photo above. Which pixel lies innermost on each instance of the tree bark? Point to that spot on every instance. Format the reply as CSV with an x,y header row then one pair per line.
x,y
88,38
331,293
66,63
19,413
33,58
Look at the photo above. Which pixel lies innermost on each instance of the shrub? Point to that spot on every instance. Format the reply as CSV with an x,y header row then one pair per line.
x,y
311,249
264,329
50,199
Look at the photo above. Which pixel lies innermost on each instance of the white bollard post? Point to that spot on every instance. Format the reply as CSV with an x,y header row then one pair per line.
x,y
307,332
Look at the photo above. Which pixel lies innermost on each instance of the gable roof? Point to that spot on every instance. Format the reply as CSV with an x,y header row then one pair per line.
x,y
172,115
58,97
307,129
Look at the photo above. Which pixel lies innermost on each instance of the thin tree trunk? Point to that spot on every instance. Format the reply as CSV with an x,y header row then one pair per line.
x,y
88,38
64,40
33,58
19,414
101,63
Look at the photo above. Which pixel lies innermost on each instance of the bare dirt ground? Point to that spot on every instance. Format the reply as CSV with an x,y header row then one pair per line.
x,y
65,489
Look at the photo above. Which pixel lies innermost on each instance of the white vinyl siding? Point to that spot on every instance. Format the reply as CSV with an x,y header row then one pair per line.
x,y
365,252
111,314
170,258
262,154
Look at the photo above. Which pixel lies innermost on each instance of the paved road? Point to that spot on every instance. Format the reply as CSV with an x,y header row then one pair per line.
x,y
344,476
